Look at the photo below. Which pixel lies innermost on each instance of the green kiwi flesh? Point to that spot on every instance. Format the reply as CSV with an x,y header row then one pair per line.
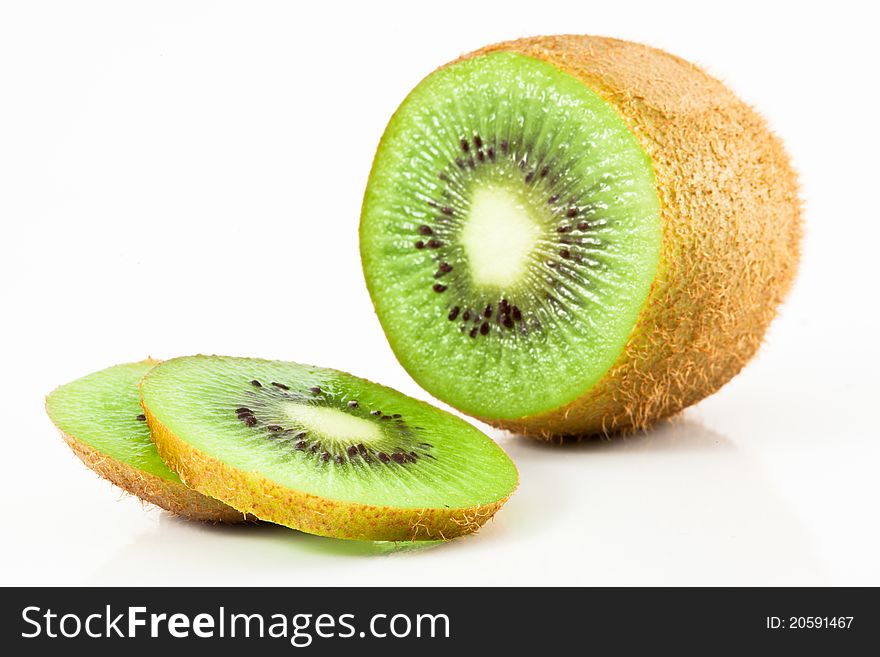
x,y
101,419
510,234
323,451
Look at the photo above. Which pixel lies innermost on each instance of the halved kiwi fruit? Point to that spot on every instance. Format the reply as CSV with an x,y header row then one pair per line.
x,y
323,451
575,235
101,419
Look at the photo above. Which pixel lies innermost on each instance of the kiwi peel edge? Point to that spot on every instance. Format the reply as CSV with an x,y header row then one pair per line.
x,y
172,496
265,499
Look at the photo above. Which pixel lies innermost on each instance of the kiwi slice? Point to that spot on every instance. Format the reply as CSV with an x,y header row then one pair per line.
x,y
323,451
574,235
101,419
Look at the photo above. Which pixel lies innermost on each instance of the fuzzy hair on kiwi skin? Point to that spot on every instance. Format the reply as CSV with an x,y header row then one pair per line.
x,y
251,494
731,233
169,495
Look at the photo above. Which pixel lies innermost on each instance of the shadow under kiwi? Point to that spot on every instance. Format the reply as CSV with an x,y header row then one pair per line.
x,y
191,550
679,432
285,536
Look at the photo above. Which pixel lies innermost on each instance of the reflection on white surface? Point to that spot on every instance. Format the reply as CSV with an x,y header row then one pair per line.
x,y
679,504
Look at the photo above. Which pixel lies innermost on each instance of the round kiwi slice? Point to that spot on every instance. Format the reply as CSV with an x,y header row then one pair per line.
x,y
323,451
574,235
101,419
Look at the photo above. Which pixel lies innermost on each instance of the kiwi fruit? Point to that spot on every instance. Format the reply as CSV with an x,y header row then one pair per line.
x,y
573,235
100,418
323,451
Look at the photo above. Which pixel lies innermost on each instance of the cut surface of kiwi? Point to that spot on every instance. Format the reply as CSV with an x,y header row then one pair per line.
x,y
511,221
568,235
101,419
323,451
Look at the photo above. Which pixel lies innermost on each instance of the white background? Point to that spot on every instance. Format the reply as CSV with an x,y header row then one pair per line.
x,y
178,178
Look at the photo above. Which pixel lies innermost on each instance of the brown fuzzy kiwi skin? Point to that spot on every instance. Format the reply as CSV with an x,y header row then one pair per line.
x,y
731,231
169,495
265,499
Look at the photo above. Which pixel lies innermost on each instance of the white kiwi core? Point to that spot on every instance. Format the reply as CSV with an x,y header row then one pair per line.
x,y
498,236
333,423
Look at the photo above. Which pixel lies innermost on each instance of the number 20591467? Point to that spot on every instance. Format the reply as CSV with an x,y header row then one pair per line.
x,y
809,622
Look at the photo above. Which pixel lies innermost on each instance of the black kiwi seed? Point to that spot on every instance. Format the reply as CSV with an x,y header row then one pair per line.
x,y
453,313
142,418
398,457
478,142
434,244
420,244
488,311
425,230
301,435
465,146
353,403
362,450
397,416
504,145
517,315
445,267
256,384
243,410
383,457
316,390
352,450
481,156
439,287
460,163
563,229
484,328
544,171
300,444
273,428
325,456
467,315
572,212
506,321
565,253
530,176
553,199
473,332
385,417
442,176
280,385
447,211
583,226
250,420
376,413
